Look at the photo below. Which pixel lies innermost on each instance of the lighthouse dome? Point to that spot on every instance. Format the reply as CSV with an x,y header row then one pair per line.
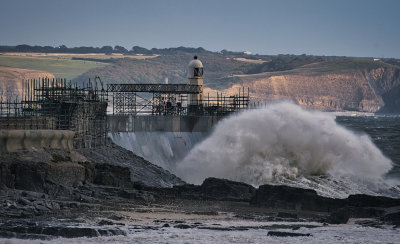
x,y
195,68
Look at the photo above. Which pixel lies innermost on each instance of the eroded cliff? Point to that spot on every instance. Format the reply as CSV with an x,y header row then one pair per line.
x,y
350,85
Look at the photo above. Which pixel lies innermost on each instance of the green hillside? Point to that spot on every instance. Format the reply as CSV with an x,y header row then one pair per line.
x,y
63,68
173,67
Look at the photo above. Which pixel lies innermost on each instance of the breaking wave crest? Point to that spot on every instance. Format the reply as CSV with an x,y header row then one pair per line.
x,y
283,143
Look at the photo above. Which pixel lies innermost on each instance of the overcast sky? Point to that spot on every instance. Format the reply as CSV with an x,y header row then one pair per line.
x,y
321,27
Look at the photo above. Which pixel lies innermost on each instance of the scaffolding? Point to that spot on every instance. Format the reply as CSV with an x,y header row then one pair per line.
x,y
56,104
172,99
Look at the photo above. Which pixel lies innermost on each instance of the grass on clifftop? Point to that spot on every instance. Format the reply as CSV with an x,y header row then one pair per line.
x,y
349,64
63,68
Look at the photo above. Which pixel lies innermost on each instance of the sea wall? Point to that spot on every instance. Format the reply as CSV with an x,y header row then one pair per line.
x,y
162,140
159,123
164,149
35,140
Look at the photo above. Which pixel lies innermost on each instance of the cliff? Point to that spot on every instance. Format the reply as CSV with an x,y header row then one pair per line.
x,y
345,85
11,80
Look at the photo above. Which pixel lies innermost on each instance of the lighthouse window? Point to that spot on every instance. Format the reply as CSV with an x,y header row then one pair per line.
x,y
198,71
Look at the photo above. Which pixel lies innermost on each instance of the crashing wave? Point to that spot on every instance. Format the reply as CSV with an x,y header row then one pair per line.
x,y
285,144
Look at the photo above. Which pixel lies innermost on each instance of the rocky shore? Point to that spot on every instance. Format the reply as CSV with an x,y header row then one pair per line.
x,y
108,191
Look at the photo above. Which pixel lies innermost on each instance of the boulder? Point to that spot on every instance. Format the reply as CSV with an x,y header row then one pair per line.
x,y
362,200
107,174
340,216
286,234
221,189
393,218
286,197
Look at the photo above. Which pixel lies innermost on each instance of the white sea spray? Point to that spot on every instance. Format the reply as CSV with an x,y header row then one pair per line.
x,y
284,143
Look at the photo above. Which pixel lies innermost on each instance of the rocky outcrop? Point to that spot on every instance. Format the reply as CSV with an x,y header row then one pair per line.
x,y
286,197
226,190
40,176
139,168
23,230
106,174
112,165
340,210
211,189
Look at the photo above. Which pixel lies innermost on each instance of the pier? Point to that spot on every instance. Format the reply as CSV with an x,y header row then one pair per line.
x,y
85,113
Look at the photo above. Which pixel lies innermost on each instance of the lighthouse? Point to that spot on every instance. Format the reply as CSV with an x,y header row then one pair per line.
x,y
195,77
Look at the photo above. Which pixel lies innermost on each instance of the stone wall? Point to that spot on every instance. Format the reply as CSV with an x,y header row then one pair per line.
x,y
88,121
35,140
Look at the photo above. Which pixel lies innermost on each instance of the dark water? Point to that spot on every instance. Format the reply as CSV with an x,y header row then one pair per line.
x,y
384,131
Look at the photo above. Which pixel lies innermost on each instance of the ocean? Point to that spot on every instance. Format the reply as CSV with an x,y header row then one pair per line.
x,y
384,131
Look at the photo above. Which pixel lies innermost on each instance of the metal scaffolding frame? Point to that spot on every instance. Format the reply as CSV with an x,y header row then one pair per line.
x,y
56,104
155,88
167,99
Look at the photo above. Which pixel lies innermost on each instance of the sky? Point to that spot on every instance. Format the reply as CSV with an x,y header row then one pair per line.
x,y
362,28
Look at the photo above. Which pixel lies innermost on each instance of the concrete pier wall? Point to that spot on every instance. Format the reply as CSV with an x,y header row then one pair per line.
x,y
164,149
35,140
157,123
163,140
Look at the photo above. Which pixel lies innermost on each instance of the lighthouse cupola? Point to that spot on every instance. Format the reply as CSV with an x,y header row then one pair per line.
x,y
195,68
195,77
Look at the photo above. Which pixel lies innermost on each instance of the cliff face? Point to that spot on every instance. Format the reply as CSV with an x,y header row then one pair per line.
x,y
11,80
375,89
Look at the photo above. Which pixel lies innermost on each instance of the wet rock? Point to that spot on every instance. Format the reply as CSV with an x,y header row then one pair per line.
x,y
56,206
37,176
221,189
393,218
30,177
369,223
7,178
111,232
105,222
73,205
24,201
211,189
138,168
183,226
138,185
365,212
287,215
137,195
362,200
41,208
286,234
111,175
166,225
286,197
211,213
116,217
340,216
70,232
35,230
